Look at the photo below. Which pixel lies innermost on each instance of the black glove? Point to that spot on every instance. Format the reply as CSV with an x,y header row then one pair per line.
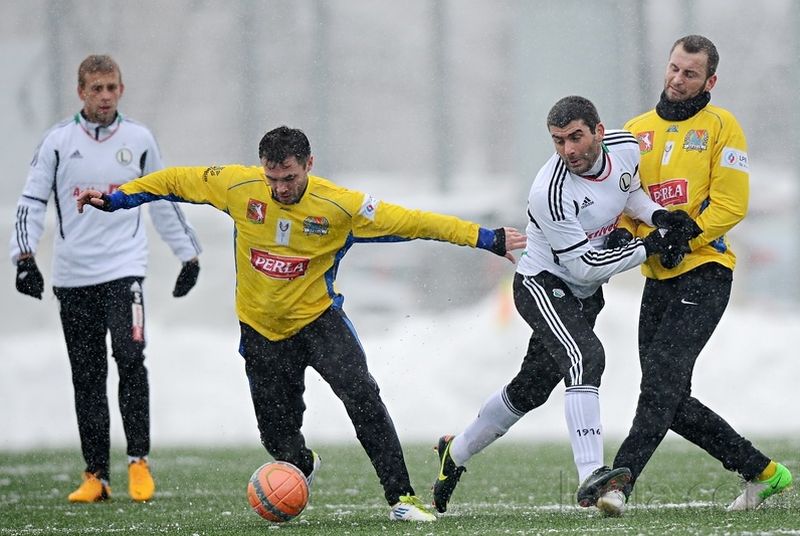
x,y
655,243
187,278
618,237
29,278
677,221
677,248
498,246
674,254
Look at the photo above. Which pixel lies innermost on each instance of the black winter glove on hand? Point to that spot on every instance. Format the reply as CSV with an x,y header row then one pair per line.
x,y
29,278
618,237
655,243
498,246
677,248
673,256
187,278
681,225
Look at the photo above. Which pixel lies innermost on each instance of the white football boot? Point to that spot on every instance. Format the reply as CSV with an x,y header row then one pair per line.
x,y
410,508
612,503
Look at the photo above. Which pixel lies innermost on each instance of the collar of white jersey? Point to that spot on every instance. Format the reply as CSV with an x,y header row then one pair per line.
x,y
96,131
604,162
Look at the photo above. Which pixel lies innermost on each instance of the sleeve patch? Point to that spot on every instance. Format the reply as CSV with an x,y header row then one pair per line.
x,y
735,159
368,207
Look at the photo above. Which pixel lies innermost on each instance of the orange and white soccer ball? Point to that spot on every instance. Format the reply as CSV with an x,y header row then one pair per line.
x,y
278,491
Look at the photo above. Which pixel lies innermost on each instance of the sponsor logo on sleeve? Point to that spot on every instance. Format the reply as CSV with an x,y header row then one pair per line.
x,y
278,266
671,192
256,210
735,159
645,141
368,207
316,225
696,140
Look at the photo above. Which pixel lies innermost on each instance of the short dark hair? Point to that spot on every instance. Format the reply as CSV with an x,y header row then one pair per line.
x,y
697,43
97,63
573,108
279,144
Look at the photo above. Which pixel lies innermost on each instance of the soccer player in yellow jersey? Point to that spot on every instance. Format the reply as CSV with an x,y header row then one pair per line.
x,y
693,158
292,229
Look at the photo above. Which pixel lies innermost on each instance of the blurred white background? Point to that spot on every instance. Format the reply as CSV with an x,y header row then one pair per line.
x,y
434,104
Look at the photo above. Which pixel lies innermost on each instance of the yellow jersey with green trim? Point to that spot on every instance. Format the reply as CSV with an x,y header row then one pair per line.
x,y
287,255
699,165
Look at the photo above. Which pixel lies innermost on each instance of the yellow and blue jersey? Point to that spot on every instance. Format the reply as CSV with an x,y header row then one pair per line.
x,y
287,255
699,165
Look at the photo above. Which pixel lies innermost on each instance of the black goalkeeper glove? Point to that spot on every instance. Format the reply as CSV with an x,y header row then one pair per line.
x,y
186,278
618,237
682,226
29,278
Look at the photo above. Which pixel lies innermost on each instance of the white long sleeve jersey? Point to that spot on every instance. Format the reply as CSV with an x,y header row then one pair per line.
x,y
571,215
96,246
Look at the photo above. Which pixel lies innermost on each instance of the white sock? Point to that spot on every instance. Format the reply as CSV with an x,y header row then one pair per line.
x,y
582,411
494,419
132,459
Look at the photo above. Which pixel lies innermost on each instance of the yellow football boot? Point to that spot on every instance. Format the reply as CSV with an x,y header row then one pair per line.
x,y
140,482
92,489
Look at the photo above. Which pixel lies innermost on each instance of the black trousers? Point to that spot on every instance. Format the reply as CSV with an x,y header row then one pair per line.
x,y
276,372
563,344
676,319
87,314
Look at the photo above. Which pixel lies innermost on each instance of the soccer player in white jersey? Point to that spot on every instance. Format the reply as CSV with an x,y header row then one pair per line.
x,y
99,266
574,205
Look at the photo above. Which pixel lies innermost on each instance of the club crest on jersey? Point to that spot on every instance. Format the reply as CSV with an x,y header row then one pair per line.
x,y
696,140
645,140
212,171
278,266
625,181
316,225
671,192
124,156
256,210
